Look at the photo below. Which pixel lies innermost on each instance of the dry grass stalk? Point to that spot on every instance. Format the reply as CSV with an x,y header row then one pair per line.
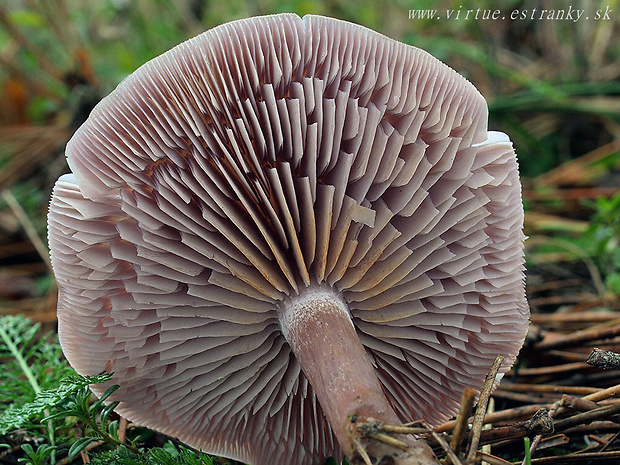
x,y
465,411
483,401
525,387
578,338
29,229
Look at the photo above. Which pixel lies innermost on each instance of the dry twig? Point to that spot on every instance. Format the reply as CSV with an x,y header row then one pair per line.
x,y
605,359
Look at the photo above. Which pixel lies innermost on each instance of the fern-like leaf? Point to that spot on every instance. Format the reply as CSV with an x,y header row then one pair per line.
x,y
30,364
16,415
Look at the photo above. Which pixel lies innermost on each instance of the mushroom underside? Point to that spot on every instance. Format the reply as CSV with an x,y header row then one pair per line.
x,y
263,161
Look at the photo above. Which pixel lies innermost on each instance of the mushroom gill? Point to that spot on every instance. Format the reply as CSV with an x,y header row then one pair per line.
x,y
281,225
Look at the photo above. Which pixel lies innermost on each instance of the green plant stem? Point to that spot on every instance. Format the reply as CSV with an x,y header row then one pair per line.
x,y
23,364
527,459
32,380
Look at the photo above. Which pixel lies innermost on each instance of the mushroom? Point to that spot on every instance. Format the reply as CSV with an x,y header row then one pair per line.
x,y
283,228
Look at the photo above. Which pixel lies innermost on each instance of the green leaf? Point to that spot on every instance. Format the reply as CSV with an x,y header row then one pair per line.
x,y
26,18
79,445
107,410
113,429
108,392
36,457
613,283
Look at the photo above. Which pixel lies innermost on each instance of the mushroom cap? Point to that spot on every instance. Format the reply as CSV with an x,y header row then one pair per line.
x,y
258,159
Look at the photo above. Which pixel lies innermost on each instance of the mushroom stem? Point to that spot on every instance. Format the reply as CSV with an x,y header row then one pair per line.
x,y
319,329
